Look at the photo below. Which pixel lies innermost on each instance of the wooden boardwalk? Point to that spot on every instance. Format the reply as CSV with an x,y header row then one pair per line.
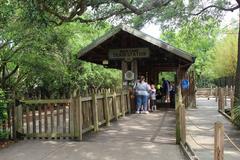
x,y
200,130
139,136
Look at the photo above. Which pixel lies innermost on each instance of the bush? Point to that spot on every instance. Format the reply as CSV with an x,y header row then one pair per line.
x,y
236,115
3,115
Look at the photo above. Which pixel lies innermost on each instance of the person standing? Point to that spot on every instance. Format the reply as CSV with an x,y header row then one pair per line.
x,y
142,92
153,98
166,87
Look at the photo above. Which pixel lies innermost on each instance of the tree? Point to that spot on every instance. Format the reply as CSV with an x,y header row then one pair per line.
x,y
196,37
38,59
172,12
223,60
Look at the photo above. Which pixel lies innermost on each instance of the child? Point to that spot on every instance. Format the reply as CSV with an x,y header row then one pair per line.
x,y
153,97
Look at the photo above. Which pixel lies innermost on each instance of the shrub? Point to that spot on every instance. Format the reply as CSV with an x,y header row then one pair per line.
x,y
236,115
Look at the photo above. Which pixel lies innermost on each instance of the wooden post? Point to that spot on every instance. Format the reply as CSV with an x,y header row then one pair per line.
x,y
115,107
180,75
106,109
123,104
71,117
64,121
210,93
182,123
80,118
219,95
225,95
221,100
124,70
192,90
28,120
19,119
45,120
95,112
129,103
218,141
178,118
134,68
58,121
14,118
34,120
40,120
232,97
52,120
76,119
216,93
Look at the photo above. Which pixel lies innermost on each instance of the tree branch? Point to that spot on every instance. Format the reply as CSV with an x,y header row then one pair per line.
x,y
214,6
123,11
129,6
12,72
81,7
152,5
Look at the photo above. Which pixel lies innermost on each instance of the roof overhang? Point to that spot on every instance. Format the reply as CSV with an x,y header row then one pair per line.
x,y
99,49
140,35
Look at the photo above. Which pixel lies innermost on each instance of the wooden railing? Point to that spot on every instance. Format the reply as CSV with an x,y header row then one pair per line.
x,y
69,118
214,91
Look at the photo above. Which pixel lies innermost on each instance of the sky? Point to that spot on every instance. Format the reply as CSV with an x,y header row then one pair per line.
x,y
154,30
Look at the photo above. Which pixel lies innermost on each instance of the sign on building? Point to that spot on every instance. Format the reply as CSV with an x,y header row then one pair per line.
x,y
128,53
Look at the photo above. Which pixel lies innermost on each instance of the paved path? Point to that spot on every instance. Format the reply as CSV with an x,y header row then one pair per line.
x,y
135,137
200,123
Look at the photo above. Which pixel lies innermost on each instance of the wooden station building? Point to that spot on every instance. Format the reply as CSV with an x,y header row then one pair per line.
x,y
136,53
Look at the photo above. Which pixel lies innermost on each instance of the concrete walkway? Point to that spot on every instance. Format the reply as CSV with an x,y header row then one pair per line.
x,y
200,131
135,137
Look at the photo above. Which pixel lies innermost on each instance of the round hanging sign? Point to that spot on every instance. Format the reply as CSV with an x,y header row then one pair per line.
x,y
129,76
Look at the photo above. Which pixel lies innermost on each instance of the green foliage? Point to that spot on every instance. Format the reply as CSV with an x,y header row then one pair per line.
x,y
97,77
223,60
197,38
236,115
38,59
170,76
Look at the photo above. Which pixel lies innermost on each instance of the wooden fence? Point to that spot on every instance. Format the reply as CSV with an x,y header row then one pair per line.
x,y
214,91
68,118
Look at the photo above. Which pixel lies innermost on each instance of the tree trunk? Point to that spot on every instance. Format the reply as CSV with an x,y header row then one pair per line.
x,y
237,77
